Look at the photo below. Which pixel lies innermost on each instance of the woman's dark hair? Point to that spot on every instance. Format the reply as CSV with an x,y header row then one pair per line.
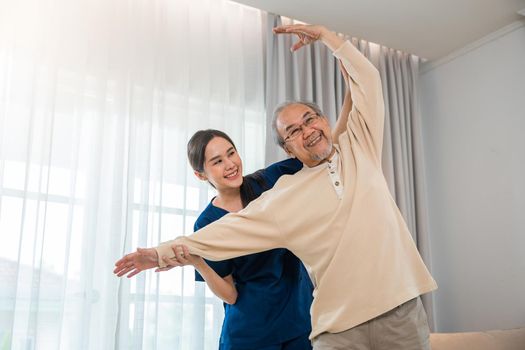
x,y
197,147
196,156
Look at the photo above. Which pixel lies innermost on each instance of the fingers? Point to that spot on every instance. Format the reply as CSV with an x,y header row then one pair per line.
x,y
182,256
280,29
122,265
307,30
185,250
297,46
133,273
288,28
172,262
303,41
125,270
124,260
162,269
178,251
125,265
118,266
307,34
120,261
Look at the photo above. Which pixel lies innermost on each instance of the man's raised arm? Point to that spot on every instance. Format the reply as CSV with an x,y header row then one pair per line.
x,y
366,119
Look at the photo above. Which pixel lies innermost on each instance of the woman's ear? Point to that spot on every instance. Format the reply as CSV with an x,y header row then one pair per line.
x,y
200,176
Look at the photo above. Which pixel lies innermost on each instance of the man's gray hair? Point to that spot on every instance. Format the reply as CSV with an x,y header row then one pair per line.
x,y
280,107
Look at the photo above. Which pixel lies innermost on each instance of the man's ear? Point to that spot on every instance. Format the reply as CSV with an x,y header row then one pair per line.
x,y
288,152
200,176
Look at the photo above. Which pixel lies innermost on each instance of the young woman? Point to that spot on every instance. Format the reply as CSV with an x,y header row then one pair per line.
x,y
267,295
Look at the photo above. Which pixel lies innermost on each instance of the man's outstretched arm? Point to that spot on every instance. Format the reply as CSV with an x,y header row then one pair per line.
x,y
252,230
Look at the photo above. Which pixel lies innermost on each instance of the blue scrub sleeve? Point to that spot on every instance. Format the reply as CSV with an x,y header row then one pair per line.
x,y
285,167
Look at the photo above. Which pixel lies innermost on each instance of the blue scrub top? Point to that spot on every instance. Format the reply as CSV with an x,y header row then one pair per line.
x,y
274,289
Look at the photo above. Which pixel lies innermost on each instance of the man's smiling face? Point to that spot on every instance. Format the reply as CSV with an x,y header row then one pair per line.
x,y
314,142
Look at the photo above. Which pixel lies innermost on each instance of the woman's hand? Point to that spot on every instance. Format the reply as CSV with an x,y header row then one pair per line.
x,y
182,258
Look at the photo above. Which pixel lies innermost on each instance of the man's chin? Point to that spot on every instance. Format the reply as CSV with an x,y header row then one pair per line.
x,y
323,154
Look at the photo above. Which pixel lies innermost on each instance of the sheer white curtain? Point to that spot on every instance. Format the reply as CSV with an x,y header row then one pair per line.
x,y
97,102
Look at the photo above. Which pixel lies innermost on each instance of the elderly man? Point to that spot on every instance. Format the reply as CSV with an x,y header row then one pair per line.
x,y
336,215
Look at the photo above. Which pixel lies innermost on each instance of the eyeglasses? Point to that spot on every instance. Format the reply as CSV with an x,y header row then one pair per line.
x,y
297,130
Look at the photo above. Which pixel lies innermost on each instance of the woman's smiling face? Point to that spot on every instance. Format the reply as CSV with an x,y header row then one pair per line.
x,y
222,165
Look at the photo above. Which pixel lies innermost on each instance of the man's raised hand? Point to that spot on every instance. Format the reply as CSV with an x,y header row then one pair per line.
x,y
309,33
306,33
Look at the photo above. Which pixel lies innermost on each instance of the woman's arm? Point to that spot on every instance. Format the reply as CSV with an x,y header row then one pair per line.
x,y
223,287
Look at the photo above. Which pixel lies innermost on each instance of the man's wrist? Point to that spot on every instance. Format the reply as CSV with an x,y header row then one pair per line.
x,y
158,253
156,257
323,32
330,39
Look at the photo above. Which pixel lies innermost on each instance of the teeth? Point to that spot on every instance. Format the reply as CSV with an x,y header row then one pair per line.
x,y
311,143
232,174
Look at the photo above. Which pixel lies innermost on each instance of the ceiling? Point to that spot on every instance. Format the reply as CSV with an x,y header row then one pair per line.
x,y
430,29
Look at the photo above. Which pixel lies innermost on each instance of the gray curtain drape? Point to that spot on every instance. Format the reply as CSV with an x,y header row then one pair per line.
x,y
312,74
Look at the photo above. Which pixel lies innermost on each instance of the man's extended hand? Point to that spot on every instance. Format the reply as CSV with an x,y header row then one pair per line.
x,y
308,33
133,263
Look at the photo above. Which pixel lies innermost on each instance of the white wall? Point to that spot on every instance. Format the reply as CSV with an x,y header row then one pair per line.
x,y
473,110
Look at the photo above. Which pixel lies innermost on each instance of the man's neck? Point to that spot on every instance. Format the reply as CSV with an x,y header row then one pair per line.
x,y
331,155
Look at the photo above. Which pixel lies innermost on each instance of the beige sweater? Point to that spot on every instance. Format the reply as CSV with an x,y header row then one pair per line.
x,y
357,247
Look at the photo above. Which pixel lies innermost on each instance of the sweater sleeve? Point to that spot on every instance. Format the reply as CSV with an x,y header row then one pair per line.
x,y
251,230
366,119
222,268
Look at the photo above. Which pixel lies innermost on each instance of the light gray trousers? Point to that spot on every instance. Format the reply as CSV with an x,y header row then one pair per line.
x,y
402,328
